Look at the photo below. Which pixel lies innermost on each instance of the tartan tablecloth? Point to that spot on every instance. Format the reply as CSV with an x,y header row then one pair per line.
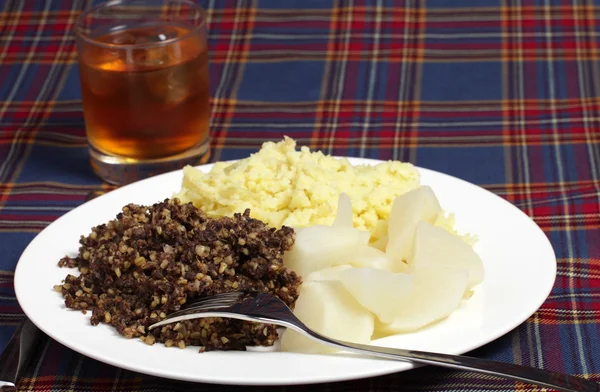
x,y
502,93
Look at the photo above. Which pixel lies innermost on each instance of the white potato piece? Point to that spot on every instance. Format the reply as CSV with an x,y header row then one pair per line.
x,y
407,211
437,292
379,235
382,292
436,246
343,217
330,273
319,247
379,243
371,257
327,308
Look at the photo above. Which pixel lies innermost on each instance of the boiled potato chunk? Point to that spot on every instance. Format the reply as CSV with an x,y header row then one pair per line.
x,y
407,211
330,273
343,218
327,308
319,247
379,235
382,292
371,257
437,292
380,243
435,246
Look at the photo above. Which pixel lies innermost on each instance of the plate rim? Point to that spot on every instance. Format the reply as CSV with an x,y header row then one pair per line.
x,y
315,380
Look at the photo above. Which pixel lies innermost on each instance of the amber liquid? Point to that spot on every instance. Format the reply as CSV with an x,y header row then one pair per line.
x,y
149,101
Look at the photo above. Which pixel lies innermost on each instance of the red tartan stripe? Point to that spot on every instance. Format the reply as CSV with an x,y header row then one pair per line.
x,y
22,227
375,142
394,17
45,186
512,37
558,317
516,188
524,12
399,55
241,106
556,223
363,19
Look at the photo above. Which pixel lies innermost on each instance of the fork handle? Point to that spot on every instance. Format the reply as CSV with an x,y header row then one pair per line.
x,y
545,378
17,354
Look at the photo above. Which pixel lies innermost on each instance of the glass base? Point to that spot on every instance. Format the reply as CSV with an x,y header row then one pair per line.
x,y
121,170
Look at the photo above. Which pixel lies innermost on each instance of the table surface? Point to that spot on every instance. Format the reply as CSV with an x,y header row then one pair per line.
x,y
504,94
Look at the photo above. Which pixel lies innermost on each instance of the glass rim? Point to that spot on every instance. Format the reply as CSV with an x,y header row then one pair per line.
x,y
87,38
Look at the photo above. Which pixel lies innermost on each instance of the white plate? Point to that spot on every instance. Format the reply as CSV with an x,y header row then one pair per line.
x,y
520,270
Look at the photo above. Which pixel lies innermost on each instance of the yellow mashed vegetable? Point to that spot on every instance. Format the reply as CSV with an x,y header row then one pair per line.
x,y
282,185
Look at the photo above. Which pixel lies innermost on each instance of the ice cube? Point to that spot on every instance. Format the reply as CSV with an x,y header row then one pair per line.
x,y
149,57
169,85
124,38
178,89
101,82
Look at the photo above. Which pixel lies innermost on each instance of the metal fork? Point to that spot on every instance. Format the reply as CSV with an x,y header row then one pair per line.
x,y
268,309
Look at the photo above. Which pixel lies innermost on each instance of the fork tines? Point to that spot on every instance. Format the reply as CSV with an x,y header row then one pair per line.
x,y
221,300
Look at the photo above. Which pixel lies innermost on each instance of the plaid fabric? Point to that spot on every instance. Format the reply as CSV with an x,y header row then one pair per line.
x,y
502,93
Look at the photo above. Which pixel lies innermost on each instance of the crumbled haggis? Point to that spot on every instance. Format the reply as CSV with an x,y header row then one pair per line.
x,y
149,261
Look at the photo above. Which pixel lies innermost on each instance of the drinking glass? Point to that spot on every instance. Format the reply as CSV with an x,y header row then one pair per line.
x,y
143,67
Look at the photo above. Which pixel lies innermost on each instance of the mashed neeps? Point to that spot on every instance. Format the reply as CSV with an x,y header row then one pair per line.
x,y
285,186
